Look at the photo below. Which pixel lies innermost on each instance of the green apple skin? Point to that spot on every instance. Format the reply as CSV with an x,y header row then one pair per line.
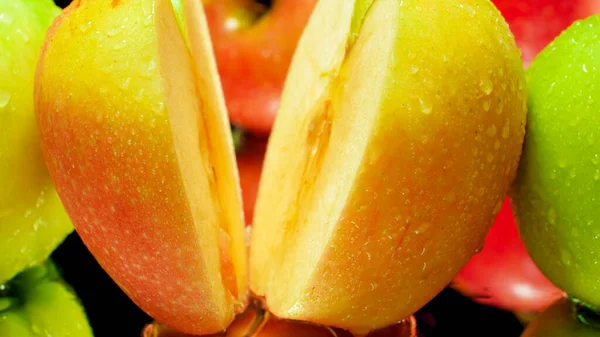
x,y
560,320
37,302
556,195
32,220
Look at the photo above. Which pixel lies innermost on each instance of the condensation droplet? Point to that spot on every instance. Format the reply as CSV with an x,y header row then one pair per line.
x,y
552,216
491,131
426,107
506,129
84,27
4,98
486,86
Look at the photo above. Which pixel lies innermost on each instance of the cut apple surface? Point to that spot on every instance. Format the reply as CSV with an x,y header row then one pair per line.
x,y
391,154
136,137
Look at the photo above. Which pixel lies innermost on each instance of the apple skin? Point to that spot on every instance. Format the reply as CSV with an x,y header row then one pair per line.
x,y
33,221
503,274
106,128
560,320
38,302
253,53
556,195
403,200
250,157
535,23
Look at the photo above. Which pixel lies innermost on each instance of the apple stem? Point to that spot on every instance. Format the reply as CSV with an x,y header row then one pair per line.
x,y
260,320
238,138
585,313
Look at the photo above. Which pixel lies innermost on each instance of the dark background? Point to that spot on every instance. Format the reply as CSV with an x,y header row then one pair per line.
x,y
112,314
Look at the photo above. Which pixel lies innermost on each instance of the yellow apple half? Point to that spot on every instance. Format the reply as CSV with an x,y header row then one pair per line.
x,y
135,134
400,129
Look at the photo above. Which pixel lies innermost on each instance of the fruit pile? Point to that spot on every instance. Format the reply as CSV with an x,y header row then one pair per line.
x,y
386,135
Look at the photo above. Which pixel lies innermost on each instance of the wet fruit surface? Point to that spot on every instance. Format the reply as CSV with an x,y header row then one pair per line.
x,y
556,194
38,303
32,220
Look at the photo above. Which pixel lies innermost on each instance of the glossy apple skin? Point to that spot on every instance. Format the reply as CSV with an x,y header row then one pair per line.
x,y
536,23
38,302
434,171
253,56
107,138
503,275
556,195
560,320
250,157
33,221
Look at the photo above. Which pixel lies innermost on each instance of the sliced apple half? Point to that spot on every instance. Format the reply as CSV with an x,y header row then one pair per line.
x,y
399,132
136,137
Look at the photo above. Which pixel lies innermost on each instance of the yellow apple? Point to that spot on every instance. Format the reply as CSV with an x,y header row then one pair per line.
x,y
400,130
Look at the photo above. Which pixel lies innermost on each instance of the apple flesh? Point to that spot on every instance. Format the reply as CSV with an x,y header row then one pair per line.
x,y
391,154
134,130
253,47
33,221
503,274
556,194
37,302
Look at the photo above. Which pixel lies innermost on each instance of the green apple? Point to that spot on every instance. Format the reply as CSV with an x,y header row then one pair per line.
x,y
37,302
562,319
557,191
32,219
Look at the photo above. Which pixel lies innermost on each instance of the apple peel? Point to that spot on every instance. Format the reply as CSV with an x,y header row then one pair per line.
x,y
139,147
390,156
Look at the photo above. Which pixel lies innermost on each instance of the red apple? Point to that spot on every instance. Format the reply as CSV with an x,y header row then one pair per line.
x,y
503,275
250,157
535,23
253,45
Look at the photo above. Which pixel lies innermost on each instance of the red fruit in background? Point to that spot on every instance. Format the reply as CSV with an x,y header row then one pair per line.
x,y
250,157
502,274
535,23
254,44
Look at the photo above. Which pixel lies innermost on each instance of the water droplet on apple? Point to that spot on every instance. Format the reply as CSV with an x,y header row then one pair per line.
x,y
6,18
84,27
486,85
552,216
113,32
497,145
426,106
124,84
597,174
491,130
4,98
120,45
490,157
148,20
487,104
506,129
596,159
414,69
566,257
